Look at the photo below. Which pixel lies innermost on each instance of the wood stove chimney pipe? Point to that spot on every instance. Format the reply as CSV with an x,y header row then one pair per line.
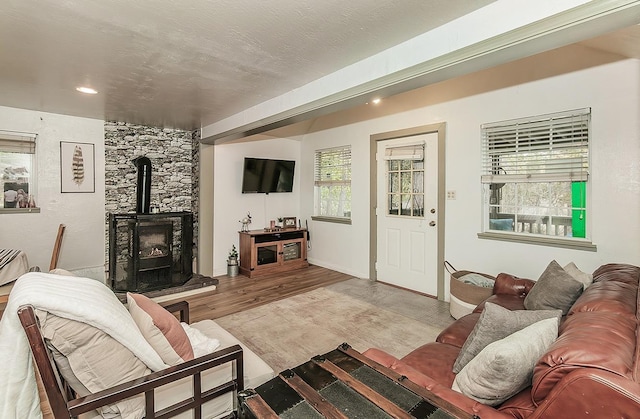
x,y
143,187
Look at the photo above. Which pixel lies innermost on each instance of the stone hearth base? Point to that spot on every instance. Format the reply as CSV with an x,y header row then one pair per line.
x,y
197,281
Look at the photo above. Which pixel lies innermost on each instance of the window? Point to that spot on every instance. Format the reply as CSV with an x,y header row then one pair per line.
x,y
17,171
535,174
405,180
333,184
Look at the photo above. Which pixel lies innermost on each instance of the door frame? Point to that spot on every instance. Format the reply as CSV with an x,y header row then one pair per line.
x,y
440,129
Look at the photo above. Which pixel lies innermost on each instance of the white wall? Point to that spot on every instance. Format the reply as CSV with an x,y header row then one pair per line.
x,y
83,213
611,90
340,247
231,205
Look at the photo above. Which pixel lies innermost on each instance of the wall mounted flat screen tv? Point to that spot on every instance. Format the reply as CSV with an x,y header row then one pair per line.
x,y
267,175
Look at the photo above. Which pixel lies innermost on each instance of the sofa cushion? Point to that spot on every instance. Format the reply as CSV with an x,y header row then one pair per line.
x,y
90,361
511,302
608,296
256,372
457,332
435,360
590,339
617,272
161,329
555,289
519,406
495,323
505,367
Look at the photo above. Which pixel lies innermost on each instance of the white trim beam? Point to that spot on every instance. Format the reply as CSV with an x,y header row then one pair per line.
x,y
534,27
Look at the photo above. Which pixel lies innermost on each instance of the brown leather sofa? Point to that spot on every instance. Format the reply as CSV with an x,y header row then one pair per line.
x,y
591,370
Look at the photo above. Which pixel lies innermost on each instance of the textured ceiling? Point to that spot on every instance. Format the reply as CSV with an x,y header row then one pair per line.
x,y
190,63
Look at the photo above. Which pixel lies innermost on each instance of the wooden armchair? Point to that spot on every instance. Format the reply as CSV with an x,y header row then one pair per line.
x,y
64,404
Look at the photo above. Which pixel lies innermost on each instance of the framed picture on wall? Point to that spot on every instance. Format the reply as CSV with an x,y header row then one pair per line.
x,y
77,167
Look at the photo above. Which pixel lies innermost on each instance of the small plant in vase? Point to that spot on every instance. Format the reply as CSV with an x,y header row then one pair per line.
x,y
233,256
280,222
232,261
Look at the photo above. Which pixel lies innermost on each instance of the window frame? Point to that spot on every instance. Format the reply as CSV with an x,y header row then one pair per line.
x,y
21,143
343,154
531,144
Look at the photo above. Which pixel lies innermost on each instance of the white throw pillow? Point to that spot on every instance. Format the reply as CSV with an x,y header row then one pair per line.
x,y
505,367
201,343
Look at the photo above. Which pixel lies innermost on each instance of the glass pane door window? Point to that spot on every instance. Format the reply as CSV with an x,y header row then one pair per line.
x,y
405,188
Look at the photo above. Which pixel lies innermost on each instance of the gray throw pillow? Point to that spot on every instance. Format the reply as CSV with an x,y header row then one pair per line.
x,y
555,289
496,322
505,367
578,275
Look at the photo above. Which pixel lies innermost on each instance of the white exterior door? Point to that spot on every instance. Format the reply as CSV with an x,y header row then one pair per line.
x,y
407,232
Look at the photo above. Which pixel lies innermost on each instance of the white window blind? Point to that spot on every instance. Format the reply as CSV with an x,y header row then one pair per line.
x,y
413,152
17,142
546,148
332,180
333,166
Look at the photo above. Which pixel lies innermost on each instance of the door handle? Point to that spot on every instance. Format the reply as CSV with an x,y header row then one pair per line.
x,y
432,223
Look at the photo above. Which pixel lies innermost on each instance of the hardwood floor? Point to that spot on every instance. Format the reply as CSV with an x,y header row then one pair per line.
x,y
241,293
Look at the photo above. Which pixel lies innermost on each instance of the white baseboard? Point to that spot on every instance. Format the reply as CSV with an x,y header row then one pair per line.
x,y
337,268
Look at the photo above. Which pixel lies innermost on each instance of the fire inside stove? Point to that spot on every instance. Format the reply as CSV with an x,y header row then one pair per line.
x,y
154,240
154,252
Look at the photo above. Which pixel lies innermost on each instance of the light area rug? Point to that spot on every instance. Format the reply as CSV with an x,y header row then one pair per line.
x,y
289,332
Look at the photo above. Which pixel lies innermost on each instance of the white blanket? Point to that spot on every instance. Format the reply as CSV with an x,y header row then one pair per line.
x,y
75,298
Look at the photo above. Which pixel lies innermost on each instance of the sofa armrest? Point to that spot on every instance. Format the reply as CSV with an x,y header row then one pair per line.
x,y
593,392
512,285
181,307
147,384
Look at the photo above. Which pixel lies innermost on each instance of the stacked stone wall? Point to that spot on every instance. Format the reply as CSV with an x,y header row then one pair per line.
x,y
174,156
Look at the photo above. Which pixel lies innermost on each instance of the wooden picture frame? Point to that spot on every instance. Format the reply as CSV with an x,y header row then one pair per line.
x,y
289,222
77,168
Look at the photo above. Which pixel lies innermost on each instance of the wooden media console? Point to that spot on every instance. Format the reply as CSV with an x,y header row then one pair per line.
x,y
265,252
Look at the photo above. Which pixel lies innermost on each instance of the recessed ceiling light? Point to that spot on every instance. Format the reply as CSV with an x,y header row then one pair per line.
x,y
87,90
376,101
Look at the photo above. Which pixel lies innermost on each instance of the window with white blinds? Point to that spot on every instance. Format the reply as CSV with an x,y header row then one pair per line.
x,y
17,170
535,174
545,148
332,182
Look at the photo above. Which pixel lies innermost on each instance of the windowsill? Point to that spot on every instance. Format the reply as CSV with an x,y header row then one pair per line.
x,y
19,210
336,220
540,240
